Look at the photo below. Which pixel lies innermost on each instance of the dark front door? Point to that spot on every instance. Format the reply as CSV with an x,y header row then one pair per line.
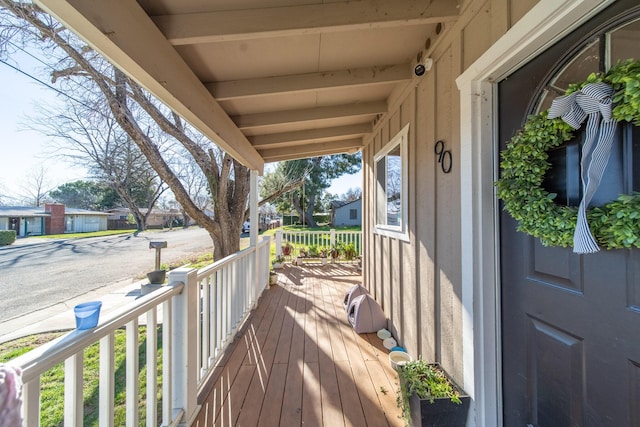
x,y
14,224
571,323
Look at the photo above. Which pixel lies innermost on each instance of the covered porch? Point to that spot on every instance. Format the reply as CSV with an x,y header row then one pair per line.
x,y
418,79
297,361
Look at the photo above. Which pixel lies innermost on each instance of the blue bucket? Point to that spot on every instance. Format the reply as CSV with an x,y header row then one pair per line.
x,y
87,314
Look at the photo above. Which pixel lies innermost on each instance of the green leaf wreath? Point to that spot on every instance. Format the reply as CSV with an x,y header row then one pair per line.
x,y
525,162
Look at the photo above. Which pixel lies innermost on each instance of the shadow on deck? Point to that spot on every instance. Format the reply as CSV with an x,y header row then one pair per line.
x,y
297,361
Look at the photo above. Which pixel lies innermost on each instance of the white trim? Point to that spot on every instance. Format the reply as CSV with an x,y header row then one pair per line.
x,y
254,229
401,231
546,22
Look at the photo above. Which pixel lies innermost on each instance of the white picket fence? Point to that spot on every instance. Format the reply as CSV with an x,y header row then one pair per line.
x,y
200,312
320,239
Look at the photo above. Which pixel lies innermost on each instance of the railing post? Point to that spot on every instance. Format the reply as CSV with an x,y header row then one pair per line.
x,y
253,208
255,227
332,239
184,332
279,242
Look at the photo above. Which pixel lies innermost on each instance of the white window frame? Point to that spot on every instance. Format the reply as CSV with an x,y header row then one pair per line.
x,y
381,227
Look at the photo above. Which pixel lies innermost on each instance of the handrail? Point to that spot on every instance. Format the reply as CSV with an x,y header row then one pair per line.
x,y
50,354
233,257
192,342
228,290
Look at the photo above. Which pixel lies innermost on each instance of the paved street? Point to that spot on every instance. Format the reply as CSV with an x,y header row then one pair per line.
x,y
37,273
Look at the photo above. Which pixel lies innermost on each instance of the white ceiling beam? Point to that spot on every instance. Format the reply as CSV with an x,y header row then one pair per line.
x,y
278,118
234,89
300,137
312,150
244,24
126,36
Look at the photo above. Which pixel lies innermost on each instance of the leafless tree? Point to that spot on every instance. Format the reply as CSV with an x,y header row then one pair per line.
x,y
78,66
36,186
81,133
351,195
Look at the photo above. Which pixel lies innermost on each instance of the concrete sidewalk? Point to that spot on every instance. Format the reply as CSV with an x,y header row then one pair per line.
x,y
60,317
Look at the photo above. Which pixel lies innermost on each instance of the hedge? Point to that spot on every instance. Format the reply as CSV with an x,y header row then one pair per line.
x,y
7,237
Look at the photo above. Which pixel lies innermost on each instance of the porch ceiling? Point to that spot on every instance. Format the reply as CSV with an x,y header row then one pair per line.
x,y
267,80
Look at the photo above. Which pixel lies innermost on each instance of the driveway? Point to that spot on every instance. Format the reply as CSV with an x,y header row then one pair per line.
x,y
36,273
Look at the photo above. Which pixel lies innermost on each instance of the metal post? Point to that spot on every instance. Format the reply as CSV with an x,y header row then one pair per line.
x,y
158,246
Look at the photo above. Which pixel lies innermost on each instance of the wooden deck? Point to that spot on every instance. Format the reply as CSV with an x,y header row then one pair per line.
x,y
299,362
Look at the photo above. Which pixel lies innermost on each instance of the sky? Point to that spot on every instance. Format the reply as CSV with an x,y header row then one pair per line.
x,y
24,151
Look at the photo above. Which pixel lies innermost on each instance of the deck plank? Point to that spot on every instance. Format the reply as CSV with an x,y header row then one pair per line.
x,y
311,396
272,405
349,396
299,362
331,404
292,403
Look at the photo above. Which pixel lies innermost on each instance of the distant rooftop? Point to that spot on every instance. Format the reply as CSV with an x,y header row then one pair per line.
x,y
31,211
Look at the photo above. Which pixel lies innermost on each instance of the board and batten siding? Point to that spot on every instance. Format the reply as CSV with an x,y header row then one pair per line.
x,y
418,283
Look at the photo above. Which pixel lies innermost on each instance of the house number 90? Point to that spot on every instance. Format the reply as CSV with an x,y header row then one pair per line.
x,y
444,156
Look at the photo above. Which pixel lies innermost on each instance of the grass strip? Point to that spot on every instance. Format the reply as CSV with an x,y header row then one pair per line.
x,y
52,381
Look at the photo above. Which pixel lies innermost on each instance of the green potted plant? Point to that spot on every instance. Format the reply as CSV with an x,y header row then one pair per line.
x,y
323,255
428,396
277,262
302,253
350,251
336,250
273,278
313,251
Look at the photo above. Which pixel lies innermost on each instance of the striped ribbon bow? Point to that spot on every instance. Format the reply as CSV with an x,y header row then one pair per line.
x,y
594,103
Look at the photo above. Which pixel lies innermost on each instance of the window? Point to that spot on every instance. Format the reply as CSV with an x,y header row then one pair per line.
x,y
391,187
353,213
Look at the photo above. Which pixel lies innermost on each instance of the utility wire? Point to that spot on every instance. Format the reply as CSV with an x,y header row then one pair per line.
x,y
32,77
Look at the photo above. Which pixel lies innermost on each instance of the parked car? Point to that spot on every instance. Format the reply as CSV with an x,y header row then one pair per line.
x,y
246,226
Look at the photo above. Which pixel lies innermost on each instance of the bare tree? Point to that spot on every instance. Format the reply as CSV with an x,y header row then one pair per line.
x,y
83,134
4,198
77,66
36,187
351,195
195,183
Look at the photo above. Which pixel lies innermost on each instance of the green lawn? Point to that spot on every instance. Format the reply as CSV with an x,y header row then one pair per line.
x,y
52,381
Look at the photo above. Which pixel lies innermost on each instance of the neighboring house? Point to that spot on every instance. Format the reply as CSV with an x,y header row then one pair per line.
x,y
158,218
346,213
84,221
53,218
26,221
429,91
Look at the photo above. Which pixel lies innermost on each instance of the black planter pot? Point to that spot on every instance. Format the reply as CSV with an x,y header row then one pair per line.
x,y
441,413
157,277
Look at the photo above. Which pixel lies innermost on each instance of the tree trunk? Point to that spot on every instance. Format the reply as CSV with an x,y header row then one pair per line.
x,y
141,220
228,180
311,222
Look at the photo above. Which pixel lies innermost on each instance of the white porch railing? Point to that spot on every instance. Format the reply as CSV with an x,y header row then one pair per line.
x,y
226,300
321,239
200,310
